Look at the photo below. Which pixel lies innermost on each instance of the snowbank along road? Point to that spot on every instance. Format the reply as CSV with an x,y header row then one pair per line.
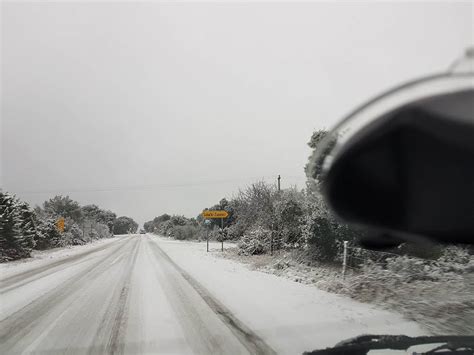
x,y
126,296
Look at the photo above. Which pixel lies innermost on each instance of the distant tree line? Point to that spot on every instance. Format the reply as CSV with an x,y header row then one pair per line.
x,y
23,229
176,226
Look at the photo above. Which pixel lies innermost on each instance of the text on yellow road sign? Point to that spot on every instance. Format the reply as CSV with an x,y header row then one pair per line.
x,y
215,214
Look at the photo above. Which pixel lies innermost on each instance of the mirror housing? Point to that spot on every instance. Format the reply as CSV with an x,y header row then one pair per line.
x,y
402,166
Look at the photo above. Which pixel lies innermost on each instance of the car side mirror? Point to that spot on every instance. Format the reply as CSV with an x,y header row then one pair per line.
x,y
403,164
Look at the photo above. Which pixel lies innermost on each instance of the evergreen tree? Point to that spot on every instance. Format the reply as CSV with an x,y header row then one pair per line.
x,y
13,243
27,224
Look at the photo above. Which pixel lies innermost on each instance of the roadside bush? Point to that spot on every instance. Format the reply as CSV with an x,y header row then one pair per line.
x,y
101,231
235,231
183,232
75,235
154,225
188,232
47,236
321,237
288,210
437,294
165,228
254,206
255,242
93,235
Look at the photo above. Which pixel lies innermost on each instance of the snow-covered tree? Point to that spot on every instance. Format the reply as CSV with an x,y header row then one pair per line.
x,y
124,225
288,207
63,206
27,224
48,235
74,235
15,242
95,213
23,228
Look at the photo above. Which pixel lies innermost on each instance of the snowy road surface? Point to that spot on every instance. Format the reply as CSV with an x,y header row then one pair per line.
x,y
143,294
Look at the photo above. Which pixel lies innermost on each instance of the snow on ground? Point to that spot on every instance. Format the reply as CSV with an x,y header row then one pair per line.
x,y
124,298
41,258
291,317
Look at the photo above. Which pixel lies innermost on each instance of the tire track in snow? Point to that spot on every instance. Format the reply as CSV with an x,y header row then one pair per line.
x,y
121,309
252,342
20,279
19,324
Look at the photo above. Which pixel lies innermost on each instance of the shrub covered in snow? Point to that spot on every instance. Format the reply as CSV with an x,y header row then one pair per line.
x,y
48,235
256,241
235,231
185,232
178,227
153,225
322,234
436,293
74,235
101,230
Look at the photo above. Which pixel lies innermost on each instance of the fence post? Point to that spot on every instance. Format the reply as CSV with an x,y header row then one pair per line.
x,y
344,259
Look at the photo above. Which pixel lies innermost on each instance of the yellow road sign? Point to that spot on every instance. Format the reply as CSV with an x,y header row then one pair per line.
x,y
215,214
60,224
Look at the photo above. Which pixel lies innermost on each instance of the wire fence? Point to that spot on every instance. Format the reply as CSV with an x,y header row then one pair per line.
x,y
354,258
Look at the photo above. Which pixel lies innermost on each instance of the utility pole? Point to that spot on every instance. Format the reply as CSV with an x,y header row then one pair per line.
x,y
279,183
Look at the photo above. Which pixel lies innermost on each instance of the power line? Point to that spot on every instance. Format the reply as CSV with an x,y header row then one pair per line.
x,y
152,186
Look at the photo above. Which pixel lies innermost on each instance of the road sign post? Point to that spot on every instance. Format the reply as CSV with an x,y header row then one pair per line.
x,y
207,222
212,214
222,236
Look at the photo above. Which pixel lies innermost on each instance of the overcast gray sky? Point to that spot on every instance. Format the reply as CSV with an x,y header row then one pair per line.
x,y
155,107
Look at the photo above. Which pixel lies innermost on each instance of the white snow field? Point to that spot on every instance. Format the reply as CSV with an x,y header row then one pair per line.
x,y
141,294
289,316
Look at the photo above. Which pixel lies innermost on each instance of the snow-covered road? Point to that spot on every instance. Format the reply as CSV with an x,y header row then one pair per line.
x,y
143,294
